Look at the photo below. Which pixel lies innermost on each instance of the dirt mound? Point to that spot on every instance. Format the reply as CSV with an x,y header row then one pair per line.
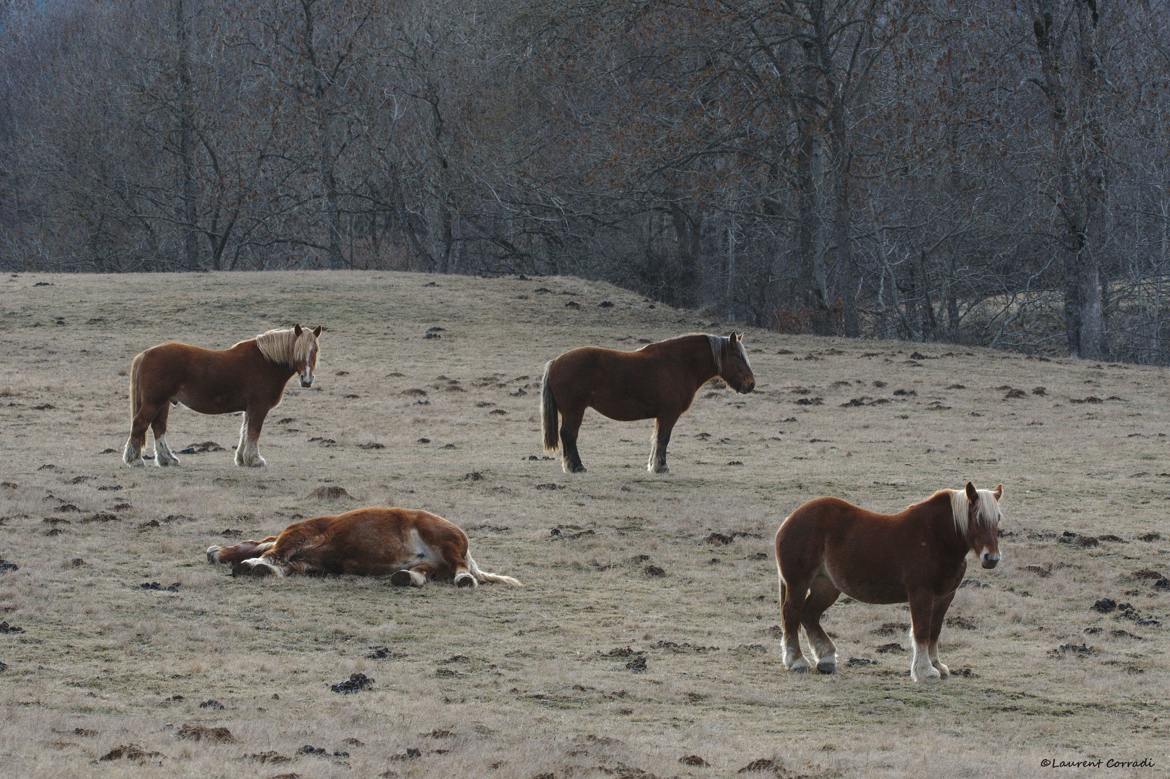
x,y
330,492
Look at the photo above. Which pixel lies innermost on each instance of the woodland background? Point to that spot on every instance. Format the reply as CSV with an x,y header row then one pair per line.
x,y
984,171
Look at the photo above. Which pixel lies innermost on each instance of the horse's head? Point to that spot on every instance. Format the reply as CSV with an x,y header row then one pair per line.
x,y
733,364
983,518
305,351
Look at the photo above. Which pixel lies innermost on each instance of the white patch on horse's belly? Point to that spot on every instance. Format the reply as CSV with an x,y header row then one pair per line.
x,y
419,551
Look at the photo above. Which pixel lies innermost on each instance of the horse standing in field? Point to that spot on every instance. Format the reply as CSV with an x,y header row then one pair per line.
x,y
828,546
410,546
248,377
658,381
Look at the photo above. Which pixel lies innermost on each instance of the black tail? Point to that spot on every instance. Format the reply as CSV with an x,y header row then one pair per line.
x,y
548,413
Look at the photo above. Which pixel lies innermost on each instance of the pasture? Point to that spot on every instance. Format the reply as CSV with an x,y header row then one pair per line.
x,y
645,641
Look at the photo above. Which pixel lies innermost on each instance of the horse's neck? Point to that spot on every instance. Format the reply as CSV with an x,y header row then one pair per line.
x,y
279,371
937,515
699,359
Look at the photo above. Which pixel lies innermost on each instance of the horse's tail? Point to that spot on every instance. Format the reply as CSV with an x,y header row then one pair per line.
x,y
483,576
548,412
135,392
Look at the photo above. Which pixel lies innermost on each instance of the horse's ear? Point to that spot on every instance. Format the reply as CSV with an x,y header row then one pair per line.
x,y
972,495
297,330
998,492
732,336
317,330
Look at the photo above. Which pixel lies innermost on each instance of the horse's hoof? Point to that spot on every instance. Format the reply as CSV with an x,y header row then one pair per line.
x,y
929,676
799,665
213,554
943,671
658,469
401,579
827,666
465,580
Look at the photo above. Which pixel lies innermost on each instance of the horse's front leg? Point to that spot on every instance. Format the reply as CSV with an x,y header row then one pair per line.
x,y
938,614
921,619
658,443
247,453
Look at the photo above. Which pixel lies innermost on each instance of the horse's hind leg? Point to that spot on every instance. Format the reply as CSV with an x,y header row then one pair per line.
x,y
822,594
237,553
792,597
415,576
570,425
163,456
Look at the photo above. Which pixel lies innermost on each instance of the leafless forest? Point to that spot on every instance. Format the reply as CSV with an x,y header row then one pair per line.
x,y
984,171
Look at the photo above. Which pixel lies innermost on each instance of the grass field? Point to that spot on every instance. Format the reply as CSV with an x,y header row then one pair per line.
x,y
645,642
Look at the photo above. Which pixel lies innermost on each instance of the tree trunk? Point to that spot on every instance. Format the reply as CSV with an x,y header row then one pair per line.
x,y
813,279
322,94
186,207
1080,175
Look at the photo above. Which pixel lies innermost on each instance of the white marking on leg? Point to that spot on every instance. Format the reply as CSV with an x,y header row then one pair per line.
x,y
132,455
163,456
417,579
826,653
793,659
241,447
213,553
920,668
264,546
943,671
465,579
260,562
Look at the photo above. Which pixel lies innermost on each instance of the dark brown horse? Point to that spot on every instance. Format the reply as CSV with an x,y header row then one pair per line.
x,y
658,382
410,546
248,377
828,546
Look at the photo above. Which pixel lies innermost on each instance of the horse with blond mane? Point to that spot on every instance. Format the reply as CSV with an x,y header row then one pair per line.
x,y
658,382
249,377
410,546
828,546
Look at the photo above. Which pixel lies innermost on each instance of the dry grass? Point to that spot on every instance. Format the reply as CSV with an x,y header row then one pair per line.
x,y
502,682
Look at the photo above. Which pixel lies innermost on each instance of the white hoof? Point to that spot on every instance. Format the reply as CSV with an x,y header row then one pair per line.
x,y
164,460
656,468
799,665
943,671
465,580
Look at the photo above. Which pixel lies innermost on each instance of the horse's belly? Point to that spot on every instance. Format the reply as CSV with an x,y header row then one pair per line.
x,y
873,587
207,404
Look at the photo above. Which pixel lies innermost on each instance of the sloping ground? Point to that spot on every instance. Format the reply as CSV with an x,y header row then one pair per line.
x,y
645,642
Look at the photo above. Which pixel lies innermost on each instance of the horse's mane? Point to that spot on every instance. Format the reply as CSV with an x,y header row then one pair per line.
x,y
960,513
283,346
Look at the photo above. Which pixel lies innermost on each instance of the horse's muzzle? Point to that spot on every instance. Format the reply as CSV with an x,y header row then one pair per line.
x,y
306,384
989,560
748,387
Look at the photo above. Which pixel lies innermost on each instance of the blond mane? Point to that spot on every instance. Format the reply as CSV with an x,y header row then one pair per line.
x,y
961,514
284,347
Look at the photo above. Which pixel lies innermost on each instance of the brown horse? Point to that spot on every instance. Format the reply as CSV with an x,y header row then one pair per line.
x,y
410,546
658,381
828,546
248,377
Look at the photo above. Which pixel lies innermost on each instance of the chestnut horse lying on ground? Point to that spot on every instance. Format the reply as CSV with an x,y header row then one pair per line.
x,y
408,545
248,377
828,546
658,381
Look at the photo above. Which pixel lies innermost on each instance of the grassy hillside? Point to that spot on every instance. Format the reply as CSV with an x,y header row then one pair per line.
x,y
646,640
